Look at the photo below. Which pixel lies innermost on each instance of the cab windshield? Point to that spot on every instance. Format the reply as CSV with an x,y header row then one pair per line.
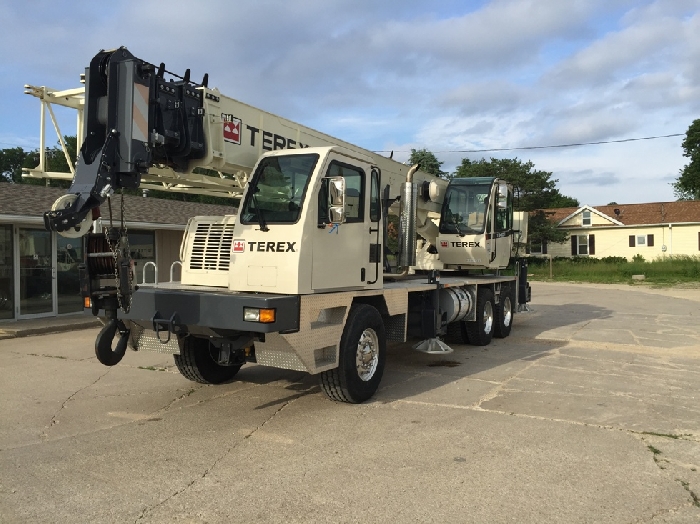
x,y
464,209
277,188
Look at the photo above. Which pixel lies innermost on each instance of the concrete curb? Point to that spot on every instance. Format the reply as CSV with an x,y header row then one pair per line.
x,y
27,331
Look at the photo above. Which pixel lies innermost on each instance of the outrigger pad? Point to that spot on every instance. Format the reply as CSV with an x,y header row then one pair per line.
x,y
433,346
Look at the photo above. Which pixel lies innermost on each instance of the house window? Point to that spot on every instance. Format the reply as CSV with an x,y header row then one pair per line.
x,y
538,247
582,245
586,221
641,240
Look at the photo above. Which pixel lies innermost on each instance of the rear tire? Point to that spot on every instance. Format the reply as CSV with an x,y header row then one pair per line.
x,y
480,331
503,317
195,362
361,360
457,333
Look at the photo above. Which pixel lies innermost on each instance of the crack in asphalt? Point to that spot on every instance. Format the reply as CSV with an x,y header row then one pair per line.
x,y
502,386
216,462
54,418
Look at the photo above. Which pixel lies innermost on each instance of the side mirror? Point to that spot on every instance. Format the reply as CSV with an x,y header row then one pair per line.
x,y
336,200
502,196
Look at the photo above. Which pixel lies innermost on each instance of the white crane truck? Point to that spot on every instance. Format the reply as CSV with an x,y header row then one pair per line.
x,y
301,277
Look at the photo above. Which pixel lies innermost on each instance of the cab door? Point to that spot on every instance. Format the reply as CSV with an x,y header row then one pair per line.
x,y
341,252
503,225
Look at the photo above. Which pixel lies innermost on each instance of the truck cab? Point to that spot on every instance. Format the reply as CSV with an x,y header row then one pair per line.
x,y
285,239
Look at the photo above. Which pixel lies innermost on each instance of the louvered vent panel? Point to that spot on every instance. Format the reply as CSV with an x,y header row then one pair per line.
x,y
211,247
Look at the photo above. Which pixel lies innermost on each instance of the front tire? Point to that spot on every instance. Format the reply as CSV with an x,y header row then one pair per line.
x,y
195,362
480,331
361,360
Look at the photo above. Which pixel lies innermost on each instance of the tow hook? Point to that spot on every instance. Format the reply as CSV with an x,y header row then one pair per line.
x,y
103,343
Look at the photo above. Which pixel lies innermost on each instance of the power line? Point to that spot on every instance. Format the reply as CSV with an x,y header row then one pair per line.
x,y
577,144
525,148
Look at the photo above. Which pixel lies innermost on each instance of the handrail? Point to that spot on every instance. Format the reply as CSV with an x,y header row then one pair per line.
x,y
155,270
172,266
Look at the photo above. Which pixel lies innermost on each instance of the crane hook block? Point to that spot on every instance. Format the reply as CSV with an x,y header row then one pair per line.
x,y
103,343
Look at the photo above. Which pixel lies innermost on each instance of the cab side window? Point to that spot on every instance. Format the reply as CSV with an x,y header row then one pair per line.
x,y
375,209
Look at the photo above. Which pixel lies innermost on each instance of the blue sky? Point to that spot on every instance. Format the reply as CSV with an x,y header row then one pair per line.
x,y
394,75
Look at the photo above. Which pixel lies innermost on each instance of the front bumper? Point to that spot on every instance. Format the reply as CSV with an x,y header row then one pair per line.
x,y
192,311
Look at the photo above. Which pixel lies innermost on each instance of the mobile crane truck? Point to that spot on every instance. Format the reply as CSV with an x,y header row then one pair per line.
x,y
301,278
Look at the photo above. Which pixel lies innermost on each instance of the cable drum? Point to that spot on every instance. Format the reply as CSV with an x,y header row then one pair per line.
x,y
455,303
100,259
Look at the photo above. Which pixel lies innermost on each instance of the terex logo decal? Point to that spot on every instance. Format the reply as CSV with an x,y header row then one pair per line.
x,y
239,245
465,244
275,247
443,243
232,129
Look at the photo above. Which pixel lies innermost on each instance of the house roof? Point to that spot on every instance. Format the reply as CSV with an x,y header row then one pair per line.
x,y
592,210
32,201
638,214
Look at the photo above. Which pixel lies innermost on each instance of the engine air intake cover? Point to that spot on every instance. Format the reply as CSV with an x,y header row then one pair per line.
x,y
211,246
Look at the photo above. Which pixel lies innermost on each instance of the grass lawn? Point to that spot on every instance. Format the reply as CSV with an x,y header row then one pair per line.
x,y
665,271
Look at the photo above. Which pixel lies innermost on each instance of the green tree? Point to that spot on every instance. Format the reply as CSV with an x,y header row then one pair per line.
x,y
534,191
687,185
428,162
12,160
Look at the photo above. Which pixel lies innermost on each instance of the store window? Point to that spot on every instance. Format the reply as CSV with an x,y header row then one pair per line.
x,y
7,289
142,245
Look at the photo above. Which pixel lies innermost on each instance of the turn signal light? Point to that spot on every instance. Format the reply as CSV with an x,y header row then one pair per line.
x,y
87,302
267,316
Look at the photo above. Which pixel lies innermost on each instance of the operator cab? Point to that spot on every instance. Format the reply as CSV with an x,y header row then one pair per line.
x,y
476,223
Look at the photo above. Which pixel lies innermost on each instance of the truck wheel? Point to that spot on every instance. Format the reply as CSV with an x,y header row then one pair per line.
x,y
464,332
453,333
362,357
503,316
196,363
457,333
480,331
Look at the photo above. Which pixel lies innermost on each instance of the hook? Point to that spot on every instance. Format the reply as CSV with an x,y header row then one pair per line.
x,y
103,343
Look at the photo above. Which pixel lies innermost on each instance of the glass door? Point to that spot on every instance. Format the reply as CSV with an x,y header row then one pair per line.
x,y
7,272
69,252
36,273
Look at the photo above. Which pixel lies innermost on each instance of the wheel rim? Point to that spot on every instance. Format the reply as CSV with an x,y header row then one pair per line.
x,y
507,311
367,356
488,317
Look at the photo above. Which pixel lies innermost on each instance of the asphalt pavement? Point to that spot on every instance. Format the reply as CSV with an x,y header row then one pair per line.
x,y
588,412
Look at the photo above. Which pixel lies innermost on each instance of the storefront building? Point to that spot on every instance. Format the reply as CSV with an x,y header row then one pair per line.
x,y
39,268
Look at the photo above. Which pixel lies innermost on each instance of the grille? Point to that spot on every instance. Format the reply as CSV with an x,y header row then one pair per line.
x,y
211,247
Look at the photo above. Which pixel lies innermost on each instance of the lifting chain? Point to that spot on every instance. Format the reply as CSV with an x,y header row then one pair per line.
x,y
120,251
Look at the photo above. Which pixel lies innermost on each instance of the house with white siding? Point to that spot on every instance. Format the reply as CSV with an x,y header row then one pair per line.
x,y
652,230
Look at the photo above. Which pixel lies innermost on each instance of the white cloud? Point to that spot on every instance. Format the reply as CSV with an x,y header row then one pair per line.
x,y
449,75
